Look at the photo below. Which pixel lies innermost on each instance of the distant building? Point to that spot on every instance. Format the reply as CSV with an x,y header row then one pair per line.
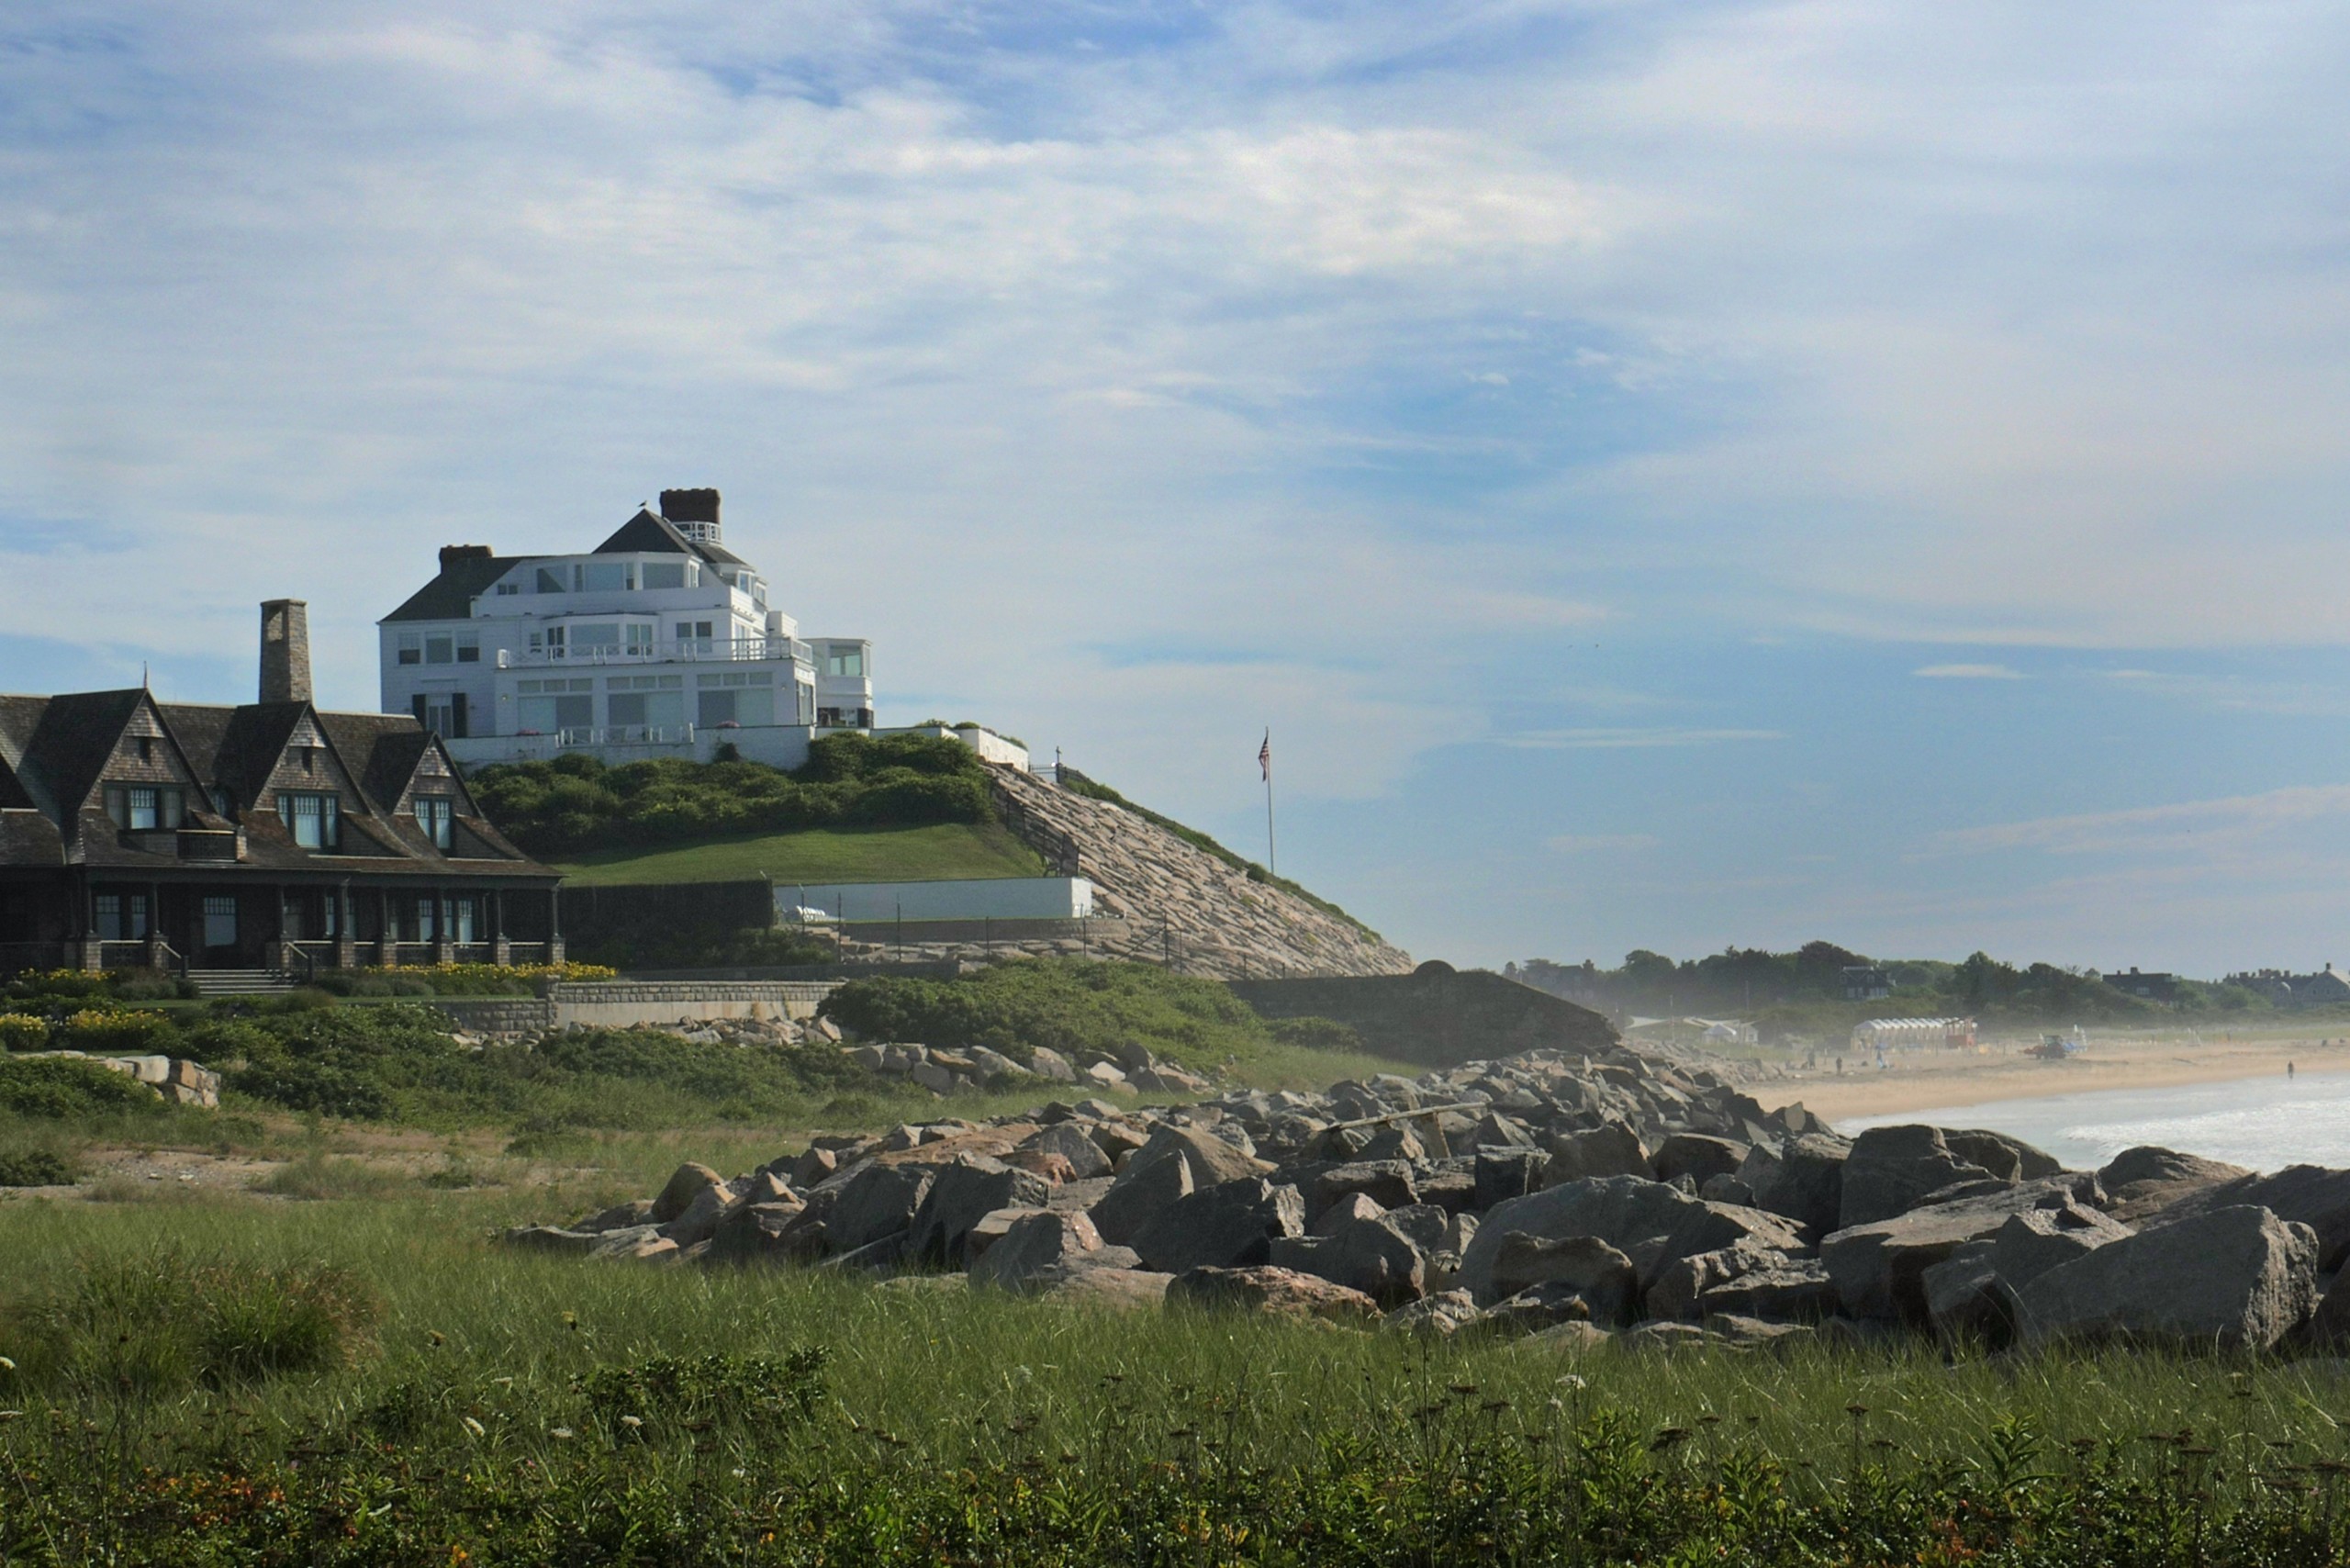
x,y
2150,986
272,835
1866,982
2328,985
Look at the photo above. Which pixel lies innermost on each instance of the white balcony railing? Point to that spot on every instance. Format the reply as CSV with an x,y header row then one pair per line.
x,y
699,650
626,735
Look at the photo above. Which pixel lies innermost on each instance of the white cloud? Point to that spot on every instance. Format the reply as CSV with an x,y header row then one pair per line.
x,y
2200,827
1968,672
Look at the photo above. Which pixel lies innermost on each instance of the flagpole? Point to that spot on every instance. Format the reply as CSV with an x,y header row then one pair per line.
x,y
1272,857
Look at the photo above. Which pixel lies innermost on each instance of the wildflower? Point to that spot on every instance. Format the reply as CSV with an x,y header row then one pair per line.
x,y
571,1321
632,1422
6,1365
503,1382
1572,1383
735,1473
561,1434
472,1426
437,1337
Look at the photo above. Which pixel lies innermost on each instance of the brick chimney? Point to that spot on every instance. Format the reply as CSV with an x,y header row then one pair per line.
x,y
453,554
694,513
285,650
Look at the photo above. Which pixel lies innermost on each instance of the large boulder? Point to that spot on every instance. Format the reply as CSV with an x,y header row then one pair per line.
x,y
1678,1287
1119,1290
2142,1182
2233,1278
1602,1275
1784,1290
1802,1179
1650,1222
1503,1172
686,1183
1367,1255
960,1196
1144,1189
1070,1141
1211,1161
1879,1267
1387,1182
1891,1171
2308,1194
880,1201
1973,1293
1611,1150
1697,1157
2009,1160
1231,1226
1040,1251
753,1233
1278,1293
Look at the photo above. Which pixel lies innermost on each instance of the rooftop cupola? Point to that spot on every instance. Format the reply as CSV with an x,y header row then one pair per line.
x,y
693,513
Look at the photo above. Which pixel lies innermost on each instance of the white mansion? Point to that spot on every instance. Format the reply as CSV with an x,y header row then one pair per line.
x,y
659,641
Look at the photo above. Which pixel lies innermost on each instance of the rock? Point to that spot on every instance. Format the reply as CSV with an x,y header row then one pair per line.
x,y
1533,1309
1894,1169
1231,1226
699,1220
2009,1160
1612,1150
1050,1064
1440,1316
993,1064
1212,1160
1571,1339
552,1239
1503,1173
1040,1249
960,1196
1427,1227
1678,1286
813,1167
1754,1333
1879,1267
937,1079
2234,1278
619,1216
876,1202
2309,1194
1802,1180
1353,1206
684,1186
1649,1222
2329,1327
1106,1074
2139,1182
753,1232
992,1227
1697,1157
1071,1143
1055,1169
1149,1185
1662,1336
1726,1190
1791,1290
1387,1182
1121,1290
1279,1292
642,1244
1364,1255
1599,1273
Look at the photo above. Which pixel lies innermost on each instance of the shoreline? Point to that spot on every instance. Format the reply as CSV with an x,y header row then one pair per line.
x,y
1918,1082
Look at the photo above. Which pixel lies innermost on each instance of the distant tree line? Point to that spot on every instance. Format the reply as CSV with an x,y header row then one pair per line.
x,y
1805,989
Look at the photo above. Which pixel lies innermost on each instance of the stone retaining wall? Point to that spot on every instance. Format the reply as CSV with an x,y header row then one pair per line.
x,y
617,1004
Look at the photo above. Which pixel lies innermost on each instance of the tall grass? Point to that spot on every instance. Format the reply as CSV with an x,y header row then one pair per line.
x,y
484,1412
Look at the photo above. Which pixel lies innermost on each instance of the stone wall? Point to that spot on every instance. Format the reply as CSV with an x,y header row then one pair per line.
x,y
1179,905
1436,1016
617,1004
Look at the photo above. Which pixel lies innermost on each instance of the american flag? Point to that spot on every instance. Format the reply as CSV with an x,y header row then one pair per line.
x,y
1265,756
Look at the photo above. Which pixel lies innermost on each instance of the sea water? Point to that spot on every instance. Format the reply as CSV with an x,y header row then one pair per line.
x,y
2264,1122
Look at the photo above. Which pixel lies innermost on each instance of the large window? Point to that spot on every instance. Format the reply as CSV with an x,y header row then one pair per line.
x,y
220,921
411,649
314,820
664,574
845,660
605,576
743,698
122,917
441,649
550,579
594,637
549,706
656,701
144,808
436,814
694,637
443,712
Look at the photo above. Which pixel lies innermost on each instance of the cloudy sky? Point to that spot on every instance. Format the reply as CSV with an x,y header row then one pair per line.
x,y
1670,475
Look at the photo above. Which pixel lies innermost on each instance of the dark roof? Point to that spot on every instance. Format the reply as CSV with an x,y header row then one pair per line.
x,y
450,596
247,745
69,748
28,839
12,794
649,532
381,750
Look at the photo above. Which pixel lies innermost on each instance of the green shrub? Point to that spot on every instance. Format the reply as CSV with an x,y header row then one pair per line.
x,y
754,1393
1317,1034
53,1088
1080,1007
37,1168
154,1323
124,1034
23,1032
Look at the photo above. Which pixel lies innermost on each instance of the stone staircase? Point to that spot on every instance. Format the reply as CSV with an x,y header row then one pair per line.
x,y
241,982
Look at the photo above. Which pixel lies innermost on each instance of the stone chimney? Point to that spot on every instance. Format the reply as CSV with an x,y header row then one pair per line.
x,y
694,513
285,650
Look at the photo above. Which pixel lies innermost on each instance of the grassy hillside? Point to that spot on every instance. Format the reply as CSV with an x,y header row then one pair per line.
x,y
939,851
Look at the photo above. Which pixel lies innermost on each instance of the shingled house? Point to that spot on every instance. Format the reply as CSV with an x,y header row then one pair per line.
x,y
268,837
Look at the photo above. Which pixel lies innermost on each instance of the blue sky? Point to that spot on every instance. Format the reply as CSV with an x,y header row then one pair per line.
x,y
1669,474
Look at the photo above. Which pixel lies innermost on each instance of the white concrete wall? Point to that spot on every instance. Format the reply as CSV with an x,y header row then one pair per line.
x,y
983,898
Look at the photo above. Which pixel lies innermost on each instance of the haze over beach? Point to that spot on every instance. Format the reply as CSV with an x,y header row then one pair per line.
x,y
1669,476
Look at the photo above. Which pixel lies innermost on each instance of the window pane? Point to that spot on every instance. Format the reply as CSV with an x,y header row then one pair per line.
x,y
550,579
440,650
717,708
664,574
596,634
627,707
469,650
142,809
575,712
220,921
605,576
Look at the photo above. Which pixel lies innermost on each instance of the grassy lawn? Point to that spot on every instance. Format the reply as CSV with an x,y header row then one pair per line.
x,y
942,852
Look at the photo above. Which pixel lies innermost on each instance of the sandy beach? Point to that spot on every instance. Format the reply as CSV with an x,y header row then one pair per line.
x,y
1918,1080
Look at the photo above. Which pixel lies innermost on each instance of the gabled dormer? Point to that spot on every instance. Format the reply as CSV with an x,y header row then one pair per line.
x,y
306,784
